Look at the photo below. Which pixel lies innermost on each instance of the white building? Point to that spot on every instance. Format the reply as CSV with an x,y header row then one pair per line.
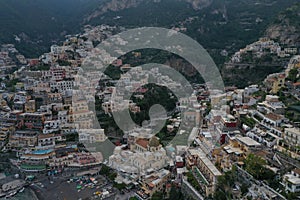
x,y
91,135
250,90
62,85
291,181
265,137
273,120
292,136
51,126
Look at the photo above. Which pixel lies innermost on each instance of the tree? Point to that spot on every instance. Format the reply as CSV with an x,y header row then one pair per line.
x,y
157,196
220,195
293,75
175,194
244,189
255,165
104,170
120,186
112,176
224,185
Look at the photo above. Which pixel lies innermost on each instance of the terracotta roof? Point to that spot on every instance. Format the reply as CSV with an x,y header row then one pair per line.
x,y
271,79
296,170
273,116
43,136
142,142
151,185
296,84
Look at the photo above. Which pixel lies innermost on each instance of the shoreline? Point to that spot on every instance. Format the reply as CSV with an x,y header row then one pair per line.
x,y
27,194
37,195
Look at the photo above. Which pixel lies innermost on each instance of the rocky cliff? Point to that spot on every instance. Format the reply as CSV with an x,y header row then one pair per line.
x,y
286,28
118,5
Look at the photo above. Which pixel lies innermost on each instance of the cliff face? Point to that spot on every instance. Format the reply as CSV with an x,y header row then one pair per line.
x,y
198,4
113,5
286,28
286,31
118,5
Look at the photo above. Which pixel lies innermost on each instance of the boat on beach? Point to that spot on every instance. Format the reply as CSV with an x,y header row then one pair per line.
x,y
22,190
11,194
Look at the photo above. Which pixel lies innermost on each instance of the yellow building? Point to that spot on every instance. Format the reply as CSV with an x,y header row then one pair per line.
x,y
290,143
204,169
30,106
80,114
155,182
3,134
245,144
274,82
22,138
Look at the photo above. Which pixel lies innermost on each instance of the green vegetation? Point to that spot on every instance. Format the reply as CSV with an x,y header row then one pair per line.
x,y
157,196
236,20
165,137
259,118
193,181
255,165
40,23
41,67
291,196
261,94
120,186
150,55
225,183
33,167
293,113
244,74
72,137
63,62
288,22
248,121
113,72
293,75
107,122
11,83
109,173
175,194
238,27
4,166
155,95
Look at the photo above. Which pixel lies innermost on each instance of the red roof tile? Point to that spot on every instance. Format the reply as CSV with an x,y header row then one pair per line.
x,y
142,142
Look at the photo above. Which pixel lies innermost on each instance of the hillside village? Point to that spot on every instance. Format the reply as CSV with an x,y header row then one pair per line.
x,y
241,143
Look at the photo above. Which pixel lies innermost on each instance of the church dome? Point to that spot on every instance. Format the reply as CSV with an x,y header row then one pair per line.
x,y
154,142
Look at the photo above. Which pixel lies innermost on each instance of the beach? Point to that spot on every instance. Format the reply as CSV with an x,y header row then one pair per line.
x,y
27,194
60,189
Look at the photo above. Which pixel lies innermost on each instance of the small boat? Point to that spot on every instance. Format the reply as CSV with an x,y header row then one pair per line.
x,y
22,189
11,194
